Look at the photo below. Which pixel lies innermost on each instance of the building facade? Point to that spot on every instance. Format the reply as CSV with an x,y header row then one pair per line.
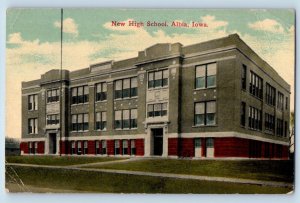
x,y
213,99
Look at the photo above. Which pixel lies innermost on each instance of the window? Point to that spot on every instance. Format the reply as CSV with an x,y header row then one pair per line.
x,y
53,119
206,75
33,126
80,94
285,129
126,119
30,148
205,113
256,87
101,89
132,147
118,119
270,94
33,102
243,114
35,147
52,95
279,130
280,101
101,121
244,77
79,147
255,122
80,122
158,78
159,109
209,142
103,144
85,145
125,147
97,147
73,148
117,147
286,103
125,88
197,142
269,122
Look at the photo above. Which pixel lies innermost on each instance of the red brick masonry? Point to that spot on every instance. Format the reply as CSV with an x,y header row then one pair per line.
x,y
181,147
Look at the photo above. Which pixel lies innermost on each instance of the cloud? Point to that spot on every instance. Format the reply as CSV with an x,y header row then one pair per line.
x,y
213,23
15,38
268,25
69,26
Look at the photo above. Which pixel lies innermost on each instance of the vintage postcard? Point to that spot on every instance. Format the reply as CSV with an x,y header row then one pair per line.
x,y
150,101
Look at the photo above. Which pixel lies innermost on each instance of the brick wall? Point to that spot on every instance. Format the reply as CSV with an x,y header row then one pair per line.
x,y
231,147
173,146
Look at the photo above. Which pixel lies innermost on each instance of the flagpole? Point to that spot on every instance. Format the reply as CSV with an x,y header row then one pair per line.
x,y
61,85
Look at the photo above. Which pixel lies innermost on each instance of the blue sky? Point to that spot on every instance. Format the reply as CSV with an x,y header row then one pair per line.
x,y
33,37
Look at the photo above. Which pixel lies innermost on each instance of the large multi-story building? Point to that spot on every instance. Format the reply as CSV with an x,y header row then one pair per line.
x,y
213,99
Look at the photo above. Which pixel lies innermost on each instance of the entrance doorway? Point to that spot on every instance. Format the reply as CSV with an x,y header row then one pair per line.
x,y
157,134
52,143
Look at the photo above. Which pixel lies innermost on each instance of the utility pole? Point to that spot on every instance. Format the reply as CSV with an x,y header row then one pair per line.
x,y
61,83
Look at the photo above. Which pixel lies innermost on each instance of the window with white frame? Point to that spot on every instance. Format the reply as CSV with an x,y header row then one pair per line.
x,y
33,102
269,122
158,109
255,118
197,142
101,89
35,147
205,113
52,95
209,142
79,150
256,85
243,114
206,76
103,145
117,147
244,77
80,94
73,147
158,79
33,126
279,128
125,147
280,101
30,146
53,119
126,119
101,120
125,88
270,94
132,147
85,147
97,147
80,122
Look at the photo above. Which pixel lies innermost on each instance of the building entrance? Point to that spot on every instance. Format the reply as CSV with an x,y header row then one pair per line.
x,y
52,143
157,134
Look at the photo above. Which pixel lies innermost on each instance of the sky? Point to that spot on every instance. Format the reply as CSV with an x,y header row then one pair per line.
x,y
33,41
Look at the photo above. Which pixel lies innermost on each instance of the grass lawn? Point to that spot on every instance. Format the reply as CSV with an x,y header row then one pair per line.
x,y
57,160
271,170
82,181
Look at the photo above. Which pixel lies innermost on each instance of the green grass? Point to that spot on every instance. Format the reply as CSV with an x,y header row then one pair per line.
x,y
57,160
82,181
271,170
